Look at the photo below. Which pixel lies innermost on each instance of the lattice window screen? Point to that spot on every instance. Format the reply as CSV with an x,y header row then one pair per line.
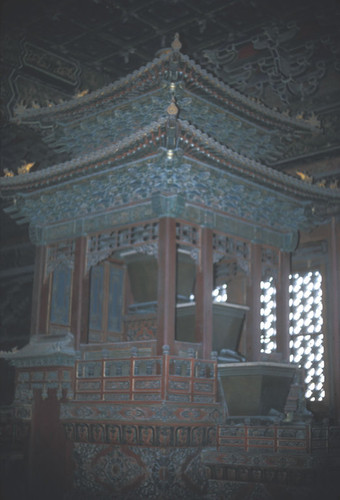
x,y
268,316
306,336
220,294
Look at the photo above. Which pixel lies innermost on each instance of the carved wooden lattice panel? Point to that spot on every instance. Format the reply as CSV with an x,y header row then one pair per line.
x,y
60,254
268,316
306,321
101,246
236,250
306,334
187,233
154,378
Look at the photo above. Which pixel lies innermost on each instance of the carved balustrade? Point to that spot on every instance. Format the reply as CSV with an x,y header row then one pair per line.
x,y
156,378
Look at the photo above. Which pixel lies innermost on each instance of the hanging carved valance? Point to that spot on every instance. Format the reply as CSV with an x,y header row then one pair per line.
x,y
143,238
60,254
235,250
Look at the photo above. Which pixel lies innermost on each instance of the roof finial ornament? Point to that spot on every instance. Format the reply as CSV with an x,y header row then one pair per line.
x,y
172,108
176,44
25,168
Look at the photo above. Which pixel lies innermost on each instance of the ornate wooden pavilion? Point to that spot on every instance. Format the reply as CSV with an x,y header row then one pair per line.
x,y
140,380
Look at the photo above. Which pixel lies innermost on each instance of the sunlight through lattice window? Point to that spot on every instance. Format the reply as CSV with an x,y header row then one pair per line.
x,y
305,319
306,336
268,316
220,293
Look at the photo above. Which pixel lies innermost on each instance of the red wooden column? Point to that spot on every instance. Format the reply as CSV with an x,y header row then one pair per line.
x,y
282,306
253,330
40,293
204,309
80,294
166,283
334,324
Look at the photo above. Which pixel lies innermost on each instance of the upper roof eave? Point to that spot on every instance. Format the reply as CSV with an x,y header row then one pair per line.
x,y
201,148
208,84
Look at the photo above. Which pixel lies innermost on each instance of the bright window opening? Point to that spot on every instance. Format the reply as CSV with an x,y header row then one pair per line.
x,y
305,319
219,293
268,316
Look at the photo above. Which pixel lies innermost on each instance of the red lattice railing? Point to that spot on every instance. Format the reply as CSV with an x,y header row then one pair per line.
x,y
156,378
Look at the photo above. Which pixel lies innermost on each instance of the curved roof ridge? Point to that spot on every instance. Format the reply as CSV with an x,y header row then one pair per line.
x,y
261,168
75,101
257,106
79,161
253,167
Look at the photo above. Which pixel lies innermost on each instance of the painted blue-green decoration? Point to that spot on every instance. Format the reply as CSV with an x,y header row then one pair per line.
x,y
213,163
96,297
115,299
106,300
61,296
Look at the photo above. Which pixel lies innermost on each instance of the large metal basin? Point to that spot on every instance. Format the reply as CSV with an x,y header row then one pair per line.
x,y
254,388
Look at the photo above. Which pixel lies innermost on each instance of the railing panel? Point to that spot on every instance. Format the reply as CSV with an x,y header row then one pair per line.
x,y
157,378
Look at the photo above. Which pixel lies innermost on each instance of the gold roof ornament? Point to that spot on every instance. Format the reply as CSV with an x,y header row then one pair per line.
x,y
176,44
25,168
8,173
81,93
305,177
172,108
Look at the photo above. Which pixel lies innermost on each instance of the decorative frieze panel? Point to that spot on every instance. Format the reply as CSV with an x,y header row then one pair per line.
x,y
230,255
169,412
142,238
141,434
60,254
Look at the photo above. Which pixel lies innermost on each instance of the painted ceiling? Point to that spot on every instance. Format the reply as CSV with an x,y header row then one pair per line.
x,y
283,54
